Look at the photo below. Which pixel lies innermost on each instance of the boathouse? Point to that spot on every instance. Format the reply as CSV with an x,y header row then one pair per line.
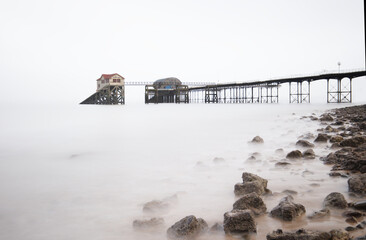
x,y
110,90
166,90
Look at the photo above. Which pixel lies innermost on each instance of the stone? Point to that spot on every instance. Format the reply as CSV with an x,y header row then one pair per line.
x,y
350,229
187,228
357,184
300,234
360,205
330,129
279,151
156,206
325,212
251,183
252,202
336,139
351,220
339,235
294,154
335,200
282,164
239,221
305,144
354,214
148,224
289,192
217,227
257,139
321,138
287,210
326,118
353,142
309,154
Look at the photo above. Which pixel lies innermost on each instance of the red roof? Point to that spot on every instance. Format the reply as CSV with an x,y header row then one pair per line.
x,y
108,76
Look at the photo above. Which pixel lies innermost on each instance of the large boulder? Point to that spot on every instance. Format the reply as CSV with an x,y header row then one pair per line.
x,y
309,154
300,234
305,144
251,183
252,202
287,210
187,228
239,221
321,138
357,184
335,200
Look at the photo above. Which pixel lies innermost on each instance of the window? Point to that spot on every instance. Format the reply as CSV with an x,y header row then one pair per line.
x,y
116,80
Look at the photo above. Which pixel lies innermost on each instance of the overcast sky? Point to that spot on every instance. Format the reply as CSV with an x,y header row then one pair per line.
x,y
55,50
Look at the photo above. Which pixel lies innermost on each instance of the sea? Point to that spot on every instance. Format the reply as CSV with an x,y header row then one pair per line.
x,y
85,172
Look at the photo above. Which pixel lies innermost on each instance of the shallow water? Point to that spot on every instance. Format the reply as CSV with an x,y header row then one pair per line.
x,y
84,172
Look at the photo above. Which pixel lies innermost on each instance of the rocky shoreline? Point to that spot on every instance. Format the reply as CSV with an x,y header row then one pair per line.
x,y
345,129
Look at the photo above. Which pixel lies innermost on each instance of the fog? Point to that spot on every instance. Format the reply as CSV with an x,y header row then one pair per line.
x,y
85,172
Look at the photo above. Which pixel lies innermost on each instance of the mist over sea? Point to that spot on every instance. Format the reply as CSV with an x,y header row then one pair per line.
x,y
84,172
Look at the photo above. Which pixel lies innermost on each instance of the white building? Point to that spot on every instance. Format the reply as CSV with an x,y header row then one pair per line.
x,y
110,79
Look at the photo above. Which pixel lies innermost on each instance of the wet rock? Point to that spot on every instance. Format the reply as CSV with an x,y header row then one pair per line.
x,y
321,138
300,234
336,139
360,205
335,200
156,206
257,139
252,202
217,227
187,228
307,136
355,214
294,154
326,118
305,144
360,238
309,154
280,151
314,118
335,145
152,223
287,210
330,129
335,174
357,184
353,142
251,183
239,221
325,212
360,226
350,229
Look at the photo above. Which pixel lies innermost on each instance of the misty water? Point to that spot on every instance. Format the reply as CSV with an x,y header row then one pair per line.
x,y
85,172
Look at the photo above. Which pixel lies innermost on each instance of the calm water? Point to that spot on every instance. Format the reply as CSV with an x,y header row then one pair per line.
x,y
84,172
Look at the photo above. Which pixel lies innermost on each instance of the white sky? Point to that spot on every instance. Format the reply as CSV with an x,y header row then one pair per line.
x,y
55,50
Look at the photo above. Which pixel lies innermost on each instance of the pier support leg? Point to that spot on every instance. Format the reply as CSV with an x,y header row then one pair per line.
x,y
339,90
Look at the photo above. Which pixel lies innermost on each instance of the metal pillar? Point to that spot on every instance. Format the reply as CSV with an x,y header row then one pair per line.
x,y
299,92
339,90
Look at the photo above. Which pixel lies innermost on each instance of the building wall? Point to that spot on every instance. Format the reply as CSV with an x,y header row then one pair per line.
x,y
113,81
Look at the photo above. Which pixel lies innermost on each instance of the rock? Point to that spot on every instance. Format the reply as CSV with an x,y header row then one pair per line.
x,y
239,221
326,118
335,145
334,174
148,224
350,229
339,235
280,151
321,138
330,129
305,144
287,210
218,160
309,154
354,214
335,200
187,228
251,159
156,206
307,136
282,164
357,184
294,154
336,139
251,183
351,220
360,205
320,214
353,142
289,192
217,227
252,202
300,234
257,139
